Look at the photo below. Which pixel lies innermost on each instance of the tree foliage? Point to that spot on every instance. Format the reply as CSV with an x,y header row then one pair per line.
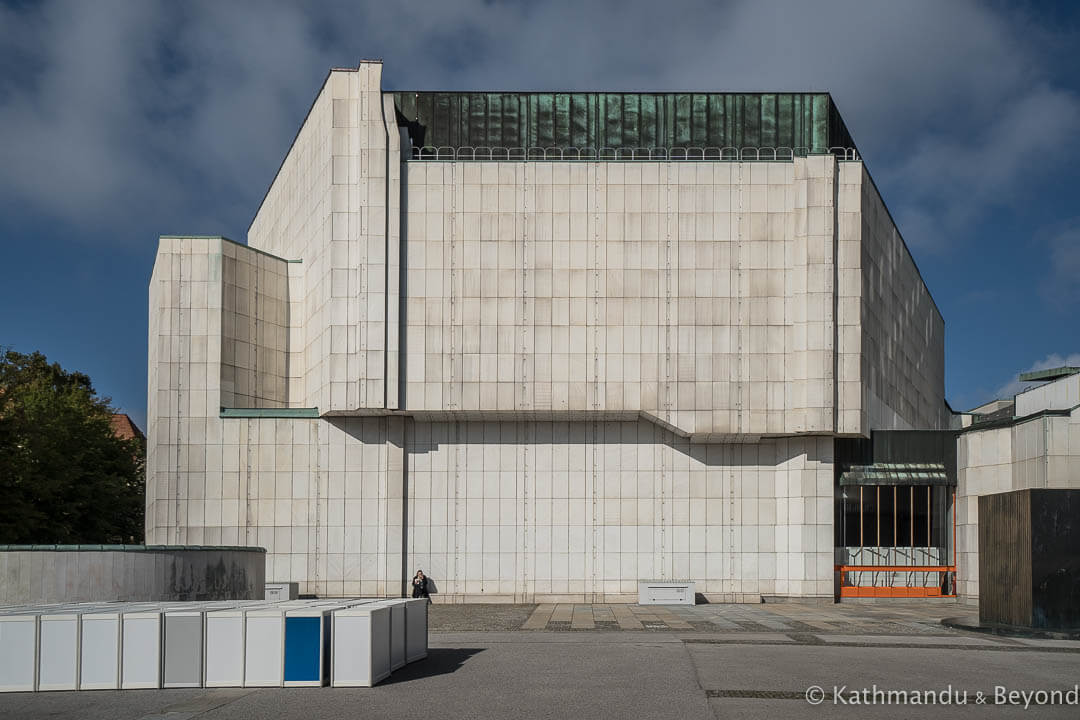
x,y
65,477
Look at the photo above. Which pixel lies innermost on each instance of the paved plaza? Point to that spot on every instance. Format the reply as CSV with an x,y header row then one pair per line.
x,y
628,661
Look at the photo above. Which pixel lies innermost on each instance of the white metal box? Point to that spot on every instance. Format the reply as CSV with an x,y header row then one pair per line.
x,y
360,651
662,592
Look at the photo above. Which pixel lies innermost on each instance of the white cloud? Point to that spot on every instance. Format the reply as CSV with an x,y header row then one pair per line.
x,y
129,119
954,177
1053,360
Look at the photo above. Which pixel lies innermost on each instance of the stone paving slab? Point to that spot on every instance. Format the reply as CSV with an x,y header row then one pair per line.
x,y
582,618
625,617
825,620
562,613
671,620
539,618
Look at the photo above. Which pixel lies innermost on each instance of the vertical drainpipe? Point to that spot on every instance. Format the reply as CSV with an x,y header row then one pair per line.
x,y
386,252
403,209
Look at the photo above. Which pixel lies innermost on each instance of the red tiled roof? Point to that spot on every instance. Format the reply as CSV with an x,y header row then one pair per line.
x,y
123,427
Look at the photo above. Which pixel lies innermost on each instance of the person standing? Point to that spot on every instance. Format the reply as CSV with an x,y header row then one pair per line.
x,y
420,585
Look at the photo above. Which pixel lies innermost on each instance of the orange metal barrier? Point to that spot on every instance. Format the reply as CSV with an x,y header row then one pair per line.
x,y
894,591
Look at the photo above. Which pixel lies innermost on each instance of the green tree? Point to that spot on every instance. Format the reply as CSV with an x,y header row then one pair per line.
x,y
65,477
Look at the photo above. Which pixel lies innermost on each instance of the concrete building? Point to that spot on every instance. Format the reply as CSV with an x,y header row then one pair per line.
x,y
1031,441
541,345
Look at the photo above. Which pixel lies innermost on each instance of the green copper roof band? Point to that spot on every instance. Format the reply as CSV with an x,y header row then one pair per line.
x,y
1050,374
621,120
269,412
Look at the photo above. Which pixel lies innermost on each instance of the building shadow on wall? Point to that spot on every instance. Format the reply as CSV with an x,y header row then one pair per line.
x,y
426,435
440,661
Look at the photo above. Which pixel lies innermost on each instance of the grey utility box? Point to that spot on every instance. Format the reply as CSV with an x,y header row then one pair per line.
x,y
664,592
277,592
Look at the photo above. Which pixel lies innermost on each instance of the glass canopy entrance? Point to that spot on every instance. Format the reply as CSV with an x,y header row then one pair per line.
x,y
896,521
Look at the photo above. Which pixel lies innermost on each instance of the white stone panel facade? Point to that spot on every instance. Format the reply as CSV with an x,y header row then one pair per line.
x,y
892,336
694,293
604,372
578,511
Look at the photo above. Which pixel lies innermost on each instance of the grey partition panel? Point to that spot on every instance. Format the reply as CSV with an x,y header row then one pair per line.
x,y
99,655
58,652
397,635
18,652
183,650
416,631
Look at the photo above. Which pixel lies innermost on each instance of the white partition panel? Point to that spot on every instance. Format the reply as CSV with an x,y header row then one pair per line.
x,y
18,652
141,650
99,655
416,629
397,632
58,652
360,650
264,639
224,643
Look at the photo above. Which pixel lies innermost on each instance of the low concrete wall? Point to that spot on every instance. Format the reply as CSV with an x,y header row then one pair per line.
x,y
80,573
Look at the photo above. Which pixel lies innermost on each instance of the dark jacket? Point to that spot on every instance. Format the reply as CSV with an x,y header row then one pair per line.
x,y
420,587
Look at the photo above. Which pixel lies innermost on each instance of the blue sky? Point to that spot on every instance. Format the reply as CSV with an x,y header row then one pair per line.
x,y
122,121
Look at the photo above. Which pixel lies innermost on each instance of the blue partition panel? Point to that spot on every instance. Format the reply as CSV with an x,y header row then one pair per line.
x,y
303,648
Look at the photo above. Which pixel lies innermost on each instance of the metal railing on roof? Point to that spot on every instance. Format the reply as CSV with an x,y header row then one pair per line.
x,y
680,154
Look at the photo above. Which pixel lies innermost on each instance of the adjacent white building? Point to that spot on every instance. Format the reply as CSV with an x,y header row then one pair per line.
x,y
616,338
1029,441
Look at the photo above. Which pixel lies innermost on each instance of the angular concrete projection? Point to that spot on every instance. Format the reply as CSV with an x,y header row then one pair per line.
x,y
538,378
